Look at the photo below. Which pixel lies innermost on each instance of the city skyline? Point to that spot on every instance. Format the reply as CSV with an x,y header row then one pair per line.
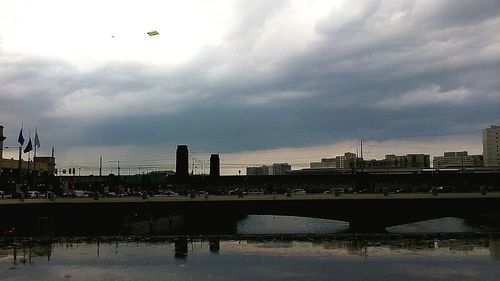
x,y
228,78
238,163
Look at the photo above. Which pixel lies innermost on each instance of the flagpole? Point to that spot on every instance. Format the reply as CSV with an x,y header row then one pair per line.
x,y
37,143
29,152
20,151
34,160
20,140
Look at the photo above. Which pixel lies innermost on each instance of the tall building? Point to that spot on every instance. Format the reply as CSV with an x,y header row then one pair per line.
x,y
281,168
491,150
214,165
260,171
181,160
418,160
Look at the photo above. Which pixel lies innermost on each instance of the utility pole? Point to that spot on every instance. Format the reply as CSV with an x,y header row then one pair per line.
x,y
192,170
100,166
462,162
361,148
362,162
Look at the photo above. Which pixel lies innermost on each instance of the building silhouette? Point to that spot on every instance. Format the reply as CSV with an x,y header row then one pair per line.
x,y
181,160
491,149
457,159
266,170
351,161
214,165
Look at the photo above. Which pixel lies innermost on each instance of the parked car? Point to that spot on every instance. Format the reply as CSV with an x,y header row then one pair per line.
x,y
50,194
404,190
34,194
298,191
443,189
201,193
111,194
234,191
79,193
4,195
168,193
332,190
255,191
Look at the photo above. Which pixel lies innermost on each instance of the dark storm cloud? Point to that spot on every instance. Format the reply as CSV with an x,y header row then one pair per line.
x,y
374,70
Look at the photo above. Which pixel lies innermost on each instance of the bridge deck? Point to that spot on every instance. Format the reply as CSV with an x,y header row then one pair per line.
x,y
362,211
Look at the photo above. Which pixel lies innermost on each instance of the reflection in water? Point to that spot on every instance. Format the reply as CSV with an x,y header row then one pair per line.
x,y
148,225
214,245
264,224
494,247
279,258
181,248
442,225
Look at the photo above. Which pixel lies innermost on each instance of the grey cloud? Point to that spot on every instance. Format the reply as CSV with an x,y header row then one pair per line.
x,y
449,12
391,70
350,17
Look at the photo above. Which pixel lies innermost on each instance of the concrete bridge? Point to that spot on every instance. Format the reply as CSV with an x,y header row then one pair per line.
x,y
219,214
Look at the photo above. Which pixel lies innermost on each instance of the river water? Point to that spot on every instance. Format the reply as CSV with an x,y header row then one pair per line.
x,y
265,248
257,224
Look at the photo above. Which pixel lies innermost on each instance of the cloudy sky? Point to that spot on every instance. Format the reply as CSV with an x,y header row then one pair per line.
x,y
256,81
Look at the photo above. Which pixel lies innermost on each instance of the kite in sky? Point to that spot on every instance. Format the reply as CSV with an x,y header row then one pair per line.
x,y
153,33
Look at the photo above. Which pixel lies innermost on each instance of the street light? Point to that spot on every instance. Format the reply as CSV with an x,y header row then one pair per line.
x,y
16,147
118,164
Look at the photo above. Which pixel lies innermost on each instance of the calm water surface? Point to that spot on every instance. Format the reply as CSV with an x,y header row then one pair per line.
x,y
328,259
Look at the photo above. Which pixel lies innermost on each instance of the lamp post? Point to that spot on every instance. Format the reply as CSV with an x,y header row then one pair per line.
x,y
20,150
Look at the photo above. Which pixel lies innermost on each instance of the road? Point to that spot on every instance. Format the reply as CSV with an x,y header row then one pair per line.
x,y
268,197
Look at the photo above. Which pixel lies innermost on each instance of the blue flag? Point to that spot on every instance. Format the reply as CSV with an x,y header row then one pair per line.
x,y
20,139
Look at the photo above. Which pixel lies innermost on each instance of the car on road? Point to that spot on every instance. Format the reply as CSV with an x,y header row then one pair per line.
x,y
298,191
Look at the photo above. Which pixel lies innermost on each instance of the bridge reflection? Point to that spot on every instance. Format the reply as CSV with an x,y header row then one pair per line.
x,y
28,251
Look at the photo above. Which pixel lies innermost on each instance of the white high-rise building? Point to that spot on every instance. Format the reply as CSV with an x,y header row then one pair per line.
x,y
491,150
